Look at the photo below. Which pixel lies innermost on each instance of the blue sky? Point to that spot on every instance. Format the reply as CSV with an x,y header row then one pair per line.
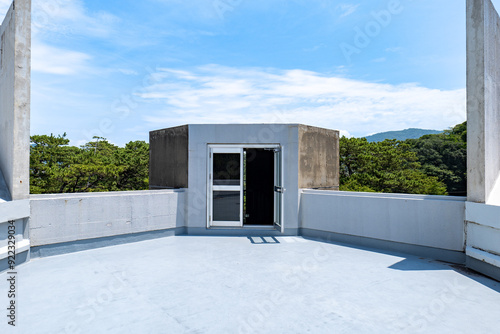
x,y
119,69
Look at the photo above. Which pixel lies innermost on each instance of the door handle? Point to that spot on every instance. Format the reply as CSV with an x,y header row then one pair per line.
x,y
279,189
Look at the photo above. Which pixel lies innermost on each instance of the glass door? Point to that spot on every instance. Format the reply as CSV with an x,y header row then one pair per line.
x,y
226,187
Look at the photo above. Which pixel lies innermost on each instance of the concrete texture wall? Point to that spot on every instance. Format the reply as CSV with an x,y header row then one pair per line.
x,y
483,138
318,158
64,218
202,135
483,102
429,221
168,166
15,60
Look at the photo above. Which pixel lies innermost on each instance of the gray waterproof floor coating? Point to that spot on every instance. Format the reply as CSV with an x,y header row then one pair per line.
x,y
241,285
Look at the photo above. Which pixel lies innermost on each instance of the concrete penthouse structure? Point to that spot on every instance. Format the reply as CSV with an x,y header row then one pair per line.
x,y
244,178
244,229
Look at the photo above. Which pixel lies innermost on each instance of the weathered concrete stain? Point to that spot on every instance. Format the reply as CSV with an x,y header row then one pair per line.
x,y
318,158
168,167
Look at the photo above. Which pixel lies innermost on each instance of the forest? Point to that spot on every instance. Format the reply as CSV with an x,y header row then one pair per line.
x,y
57,167
433,164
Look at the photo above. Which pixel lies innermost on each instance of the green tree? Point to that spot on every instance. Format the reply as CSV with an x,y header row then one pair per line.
x,y
134,159
389,166
49,155
99,165
445,157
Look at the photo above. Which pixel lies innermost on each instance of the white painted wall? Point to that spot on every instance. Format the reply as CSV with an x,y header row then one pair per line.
x,y
483,232
19,212
202,135
62,218
432,221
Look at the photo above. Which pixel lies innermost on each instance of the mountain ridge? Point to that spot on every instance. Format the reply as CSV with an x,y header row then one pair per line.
x,y
411,133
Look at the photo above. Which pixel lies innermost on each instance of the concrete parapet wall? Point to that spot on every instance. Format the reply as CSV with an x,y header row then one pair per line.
x,y
419,220
64,218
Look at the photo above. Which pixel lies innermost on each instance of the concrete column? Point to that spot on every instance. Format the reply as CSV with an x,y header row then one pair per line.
x,y
15,77
483,102
483,138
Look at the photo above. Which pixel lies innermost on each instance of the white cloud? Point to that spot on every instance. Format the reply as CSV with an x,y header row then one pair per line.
x,y
344,133
126,71
217,94
67,17
201,10
395,49
70,17
49,59
347,9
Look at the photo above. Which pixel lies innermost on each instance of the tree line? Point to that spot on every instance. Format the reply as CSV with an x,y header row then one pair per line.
x,y
433,164
56,167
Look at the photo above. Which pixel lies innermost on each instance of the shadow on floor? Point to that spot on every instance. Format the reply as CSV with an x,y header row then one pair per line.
x,y
422,264
263,240
416,263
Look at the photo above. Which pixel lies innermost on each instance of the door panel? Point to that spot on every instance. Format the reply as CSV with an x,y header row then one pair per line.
x,y
226,205
259,187
225,187
226,169
278,191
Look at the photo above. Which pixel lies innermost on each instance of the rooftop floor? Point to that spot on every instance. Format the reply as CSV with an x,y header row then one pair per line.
x,y
242,285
